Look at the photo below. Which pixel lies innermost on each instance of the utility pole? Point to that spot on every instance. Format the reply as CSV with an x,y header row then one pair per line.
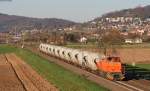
x,y
16,35
22,39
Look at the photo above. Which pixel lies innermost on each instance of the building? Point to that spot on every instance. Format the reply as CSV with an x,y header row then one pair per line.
x,y
134,41
83,40
3,37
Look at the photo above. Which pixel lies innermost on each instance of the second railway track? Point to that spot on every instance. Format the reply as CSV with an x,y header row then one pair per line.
x,y
130,87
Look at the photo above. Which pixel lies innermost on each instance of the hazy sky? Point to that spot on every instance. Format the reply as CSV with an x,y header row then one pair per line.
x,y
75,10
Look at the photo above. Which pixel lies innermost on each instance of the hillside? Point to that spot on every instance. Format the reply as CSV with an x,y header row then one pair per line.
x,y
10,22
141,12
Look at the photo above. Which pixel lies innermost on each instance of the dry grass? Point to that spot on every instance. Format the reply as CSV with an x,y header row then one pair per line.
x,y
129,55
138,55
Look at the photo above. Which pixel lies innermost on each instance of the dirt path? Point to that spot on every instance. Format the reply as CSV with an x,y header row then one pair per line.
x,y
8,78
16,75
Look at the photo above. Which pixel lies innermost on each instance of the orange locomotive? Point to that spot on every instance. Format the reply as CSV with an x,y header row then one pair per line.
x,y
111,68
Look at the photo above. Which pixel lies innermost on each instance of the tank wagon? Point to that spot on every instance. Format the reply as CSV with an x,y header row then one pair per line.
x,y
109,67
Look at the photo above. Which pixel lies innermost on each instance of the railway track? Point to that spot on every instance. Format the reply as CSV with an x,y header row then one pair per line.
x,y
112,85
129,87
29,80
143,84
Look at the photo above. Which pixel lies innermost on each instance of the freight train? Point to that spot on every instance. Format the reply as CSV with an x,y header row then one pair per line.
x,y
110,67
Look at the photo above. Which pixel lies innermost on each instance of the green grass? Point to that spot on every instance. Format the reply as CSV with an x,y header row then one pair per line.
x,y
64,79
140,71
145,66
7,49
138,67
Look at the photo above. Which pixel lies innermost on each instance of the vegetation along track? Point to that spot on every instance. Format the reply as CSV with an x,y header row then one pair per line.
x,y
114,86
29,79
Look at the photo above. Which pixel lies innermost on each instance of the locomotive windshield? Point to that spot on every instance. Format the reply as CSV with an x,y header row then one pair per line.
x,y
113,59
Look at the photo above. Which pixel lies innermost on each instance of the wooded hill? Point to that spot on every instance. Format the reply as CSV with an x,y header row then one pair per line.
x,y
10,22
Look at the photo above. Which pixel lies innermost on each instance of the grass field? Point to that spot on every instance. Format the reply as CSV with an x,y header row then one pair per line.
x,y
145,66
140,71
63,79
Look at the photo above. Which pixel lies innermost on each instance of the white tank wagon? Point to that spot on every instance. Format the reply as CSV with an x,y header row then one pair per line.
x,y
50,50
44,48
63,53
82,58
89,59
56,51
75,56
68,54
85,59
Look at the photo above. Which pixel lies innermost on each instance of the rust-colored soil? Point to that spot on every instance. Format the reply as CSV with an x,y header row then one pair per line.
x,y
16,75
8,78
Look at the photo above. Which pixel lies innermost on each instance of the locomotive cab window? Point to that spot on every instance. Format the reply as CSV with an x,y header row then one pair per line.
x,y
113,59
116,59
109,58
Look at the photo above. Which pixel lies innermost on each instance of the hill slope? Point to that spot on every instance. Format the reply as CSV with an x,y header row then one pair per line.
x,y
9,22
141,12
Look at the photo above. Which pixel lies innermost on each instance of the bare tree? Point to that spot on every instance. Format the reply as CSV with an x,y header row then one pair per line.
x,y
108,39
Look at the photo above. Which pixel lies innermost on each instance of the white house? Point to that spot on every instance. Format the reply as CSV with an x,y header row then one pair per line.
x,y
133,41
128,41
83,39
138,40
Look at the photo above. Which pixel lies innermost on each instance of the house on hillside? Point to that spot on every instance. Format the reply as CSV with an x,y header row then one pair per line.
x,y
134,41
83,40
3,38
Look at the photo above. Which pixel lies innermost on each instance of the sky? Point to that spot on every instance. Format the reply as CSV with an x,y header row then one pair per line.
x,y
74,10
